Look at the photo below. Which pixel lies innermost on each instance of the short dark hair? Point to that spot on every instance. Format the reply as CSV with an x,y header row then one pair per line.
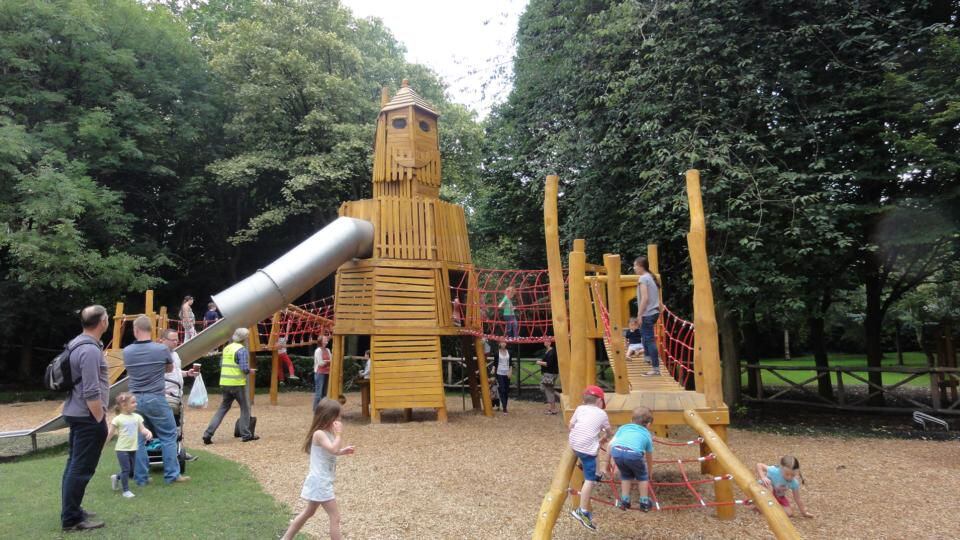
x,y
91,316
169,331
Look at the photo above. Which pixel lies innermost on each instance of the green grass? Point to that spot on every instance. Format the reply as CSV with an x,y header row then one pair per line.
x,y
222,501
910,359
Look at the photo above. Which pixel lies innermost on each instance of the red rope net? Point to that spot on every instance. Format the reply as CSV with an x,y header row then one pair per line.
x,y
508,304
691,485
675,342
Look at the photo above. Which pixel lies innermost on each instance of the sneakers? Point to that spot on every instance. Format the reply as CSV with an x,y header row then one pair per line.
x,y
655,373
248,439
645,504
128,495
623,503
115,482
190,457
84,525
293,378
584,517
181,479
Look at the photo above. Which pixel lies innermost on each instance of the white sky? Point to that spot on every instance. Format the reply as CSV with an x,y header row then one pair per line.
x,y
465,41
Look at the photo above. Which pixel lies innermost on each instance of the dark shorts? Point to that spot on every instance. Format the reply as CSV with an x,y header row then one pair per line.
x,y
589,466
632,465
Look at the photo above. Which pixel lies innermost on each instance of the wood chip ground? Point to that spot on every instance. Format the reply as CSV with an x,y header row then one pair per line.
x,y
480,478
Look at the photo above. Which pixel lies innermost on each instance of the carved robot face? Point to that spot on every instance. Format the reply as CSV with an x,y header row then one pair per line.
x,y
412,140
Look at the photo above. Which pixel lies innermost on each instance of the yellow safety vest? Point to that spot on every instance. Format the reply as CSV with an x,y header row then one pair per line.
x,y
230,374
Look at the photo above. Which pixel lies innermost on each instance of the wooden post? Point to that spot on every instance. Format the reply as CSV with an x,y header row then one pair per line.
x,y
577,375
117,327
762,498
706,339
162,321
590,360
722,489
558,303
471,367
274,357
253,346
148,311
482,375
553,501
335,377
621,382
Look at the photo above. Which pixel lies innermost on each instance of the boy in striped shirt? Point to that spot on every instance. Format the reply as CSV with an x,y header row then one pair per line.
x,y
589,426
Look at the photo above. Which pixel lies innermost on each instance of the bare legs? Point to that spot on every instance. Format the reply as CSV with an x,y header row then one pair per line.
x,y
332,510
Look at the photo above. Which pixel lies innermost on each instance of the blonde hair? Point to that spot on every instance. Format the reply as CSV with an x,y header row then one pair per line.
x,y
590,399
122,400
642,416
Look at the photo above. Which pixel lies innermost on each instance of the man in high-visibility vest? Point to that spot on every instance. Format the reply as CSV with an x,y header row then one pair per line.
x,y
234,367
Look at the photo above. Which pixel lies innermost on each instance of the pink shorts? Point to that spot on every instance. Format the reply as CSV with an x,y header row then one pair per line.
x,y
783,500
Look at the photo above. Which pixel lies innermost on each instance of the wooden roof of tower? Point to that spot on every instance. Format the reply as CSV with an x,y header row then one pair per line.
x,y
406,97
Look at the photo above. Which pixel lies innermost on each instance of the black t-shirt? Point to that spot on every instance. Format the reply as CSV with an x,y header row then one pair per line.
x,y
550,357
633,336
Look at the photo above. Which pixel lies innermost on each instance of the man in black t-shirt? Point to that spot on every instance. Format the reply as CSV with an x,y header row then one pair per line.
x,y
549,370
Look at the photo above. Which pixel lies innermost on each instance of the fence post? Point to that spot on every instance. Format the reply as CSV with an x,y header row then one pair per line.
x,y
758,373
841,393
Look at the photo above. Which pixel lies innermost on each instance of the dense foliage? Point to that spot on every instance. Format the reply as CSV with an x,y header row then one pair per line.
x,y
180,145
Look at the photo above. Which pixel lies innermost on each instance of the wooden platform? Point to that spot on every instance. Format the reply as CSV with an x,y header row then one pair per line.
x,y
661,394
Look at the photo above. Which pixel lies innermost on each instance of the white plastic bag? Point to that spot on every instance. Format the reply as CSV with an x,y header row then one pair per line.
x,y
198,394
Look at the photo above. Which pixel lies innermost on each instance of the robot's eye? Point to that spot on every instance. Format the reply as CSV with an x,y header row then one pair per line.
x,y
424,126
399,123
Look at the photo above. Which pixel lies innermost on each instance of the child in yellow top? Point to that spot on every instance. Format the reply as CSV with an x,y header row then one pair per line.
x,y
126,424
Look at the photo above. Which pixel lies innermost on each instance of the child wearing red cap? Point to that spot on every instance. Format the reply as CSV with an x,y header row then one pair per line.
x,y
588,426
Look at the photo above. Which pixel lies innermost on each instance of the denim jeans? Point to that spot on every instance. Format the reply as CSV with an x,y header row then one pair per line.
x,y
503,388
87,437
319,387
512,327
158,417
647,323
127,459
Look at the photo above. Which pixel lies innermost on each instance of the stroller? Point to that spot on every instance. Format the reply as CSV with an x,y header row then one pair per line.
x,y
154,452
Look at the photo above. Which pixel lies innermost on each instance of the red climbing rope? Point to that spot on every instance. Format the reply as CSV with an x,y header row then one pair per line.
x,y
482,311
689,484
675,345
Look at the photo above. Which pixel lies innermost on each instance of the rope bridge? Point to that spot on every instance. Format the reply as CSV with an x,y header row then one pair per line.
x,y
688,483
479,306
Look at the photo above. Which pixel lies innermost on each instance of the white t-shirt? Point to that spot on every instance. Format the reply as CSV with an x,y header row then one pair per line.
x,y
503,362
173,381
586,424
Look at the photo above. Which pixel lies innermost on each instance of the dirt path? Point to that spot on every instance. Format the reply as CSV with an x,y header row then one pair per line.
x,y
484,478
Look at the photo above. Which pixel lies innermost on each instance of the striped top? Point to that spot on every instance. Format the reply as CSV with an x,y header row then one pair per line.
x,y
585,427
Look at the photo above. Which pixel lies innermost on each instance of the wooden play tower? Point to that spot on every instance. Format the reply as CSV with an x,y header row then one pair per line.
x,y
598,297
401,297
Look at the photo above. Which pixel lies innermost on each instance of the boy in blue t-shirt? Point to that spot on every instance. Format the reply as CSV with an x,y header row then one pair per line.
x,y
632,452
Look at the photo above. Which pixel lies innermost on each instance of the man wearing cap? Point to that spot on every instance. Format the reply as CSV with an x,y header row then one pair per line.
x,y
589,426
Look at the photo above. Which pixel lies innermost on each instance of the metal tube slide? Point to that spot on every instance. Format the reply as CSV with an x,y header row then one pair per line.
x,y
268,290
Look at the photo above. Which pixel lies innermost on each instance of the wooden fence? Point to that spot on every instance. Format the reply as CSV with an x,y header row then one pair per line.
x,y
853,390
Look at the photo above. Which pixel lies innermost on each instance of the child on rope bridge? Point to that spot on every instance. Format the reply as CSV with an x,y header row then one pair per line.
x,y
632,452
634,339
779,479
589,425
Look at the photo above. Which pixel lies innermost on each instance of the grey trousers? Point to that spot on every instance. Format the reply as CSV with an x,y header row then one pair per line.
x,y
231,394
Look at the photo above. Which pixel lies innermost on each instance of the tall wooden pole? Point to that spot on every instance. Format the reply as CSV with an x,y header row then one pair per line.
x,y
558,303
253,345
148,311
578,328
274,357
706,351
621,382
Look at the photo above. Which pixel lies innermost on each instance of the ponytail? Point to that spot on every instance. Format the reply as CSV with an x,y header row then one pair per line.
x,y
793,463
645,264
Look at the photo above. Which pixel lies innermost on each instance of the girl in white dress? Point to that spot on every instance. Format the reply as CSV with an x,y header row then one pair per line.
x,y
324,444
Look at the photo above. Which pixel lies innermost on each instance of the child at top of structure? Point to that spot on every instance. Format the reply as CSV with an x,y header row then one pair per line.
x,y
632,452
512,328
126,425
324,443
634,339
589,426
286,365
780,479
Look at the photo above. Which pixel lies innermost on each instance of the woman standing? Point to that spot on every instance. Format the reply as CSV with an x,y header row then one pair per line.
x,y
648,311
549,370
503,374
321,370
187,319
